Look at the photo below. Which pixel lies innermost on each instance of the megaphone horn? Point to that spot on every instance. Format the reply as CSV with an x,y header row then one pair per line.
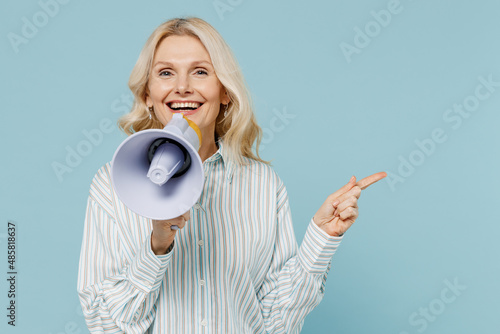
x,y
157,173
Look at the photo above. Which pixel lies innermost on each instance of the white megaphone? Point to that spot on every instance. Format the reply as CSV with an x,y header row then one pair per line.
x,y
157,173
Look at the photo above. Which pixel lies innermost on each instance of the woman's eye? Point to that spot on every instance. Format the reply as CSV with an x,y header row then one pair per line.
x,y
201,72
164,73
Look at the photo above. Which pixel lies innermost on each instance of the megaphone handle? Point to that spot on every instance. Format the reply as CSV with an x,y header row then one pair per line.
x,y
174,227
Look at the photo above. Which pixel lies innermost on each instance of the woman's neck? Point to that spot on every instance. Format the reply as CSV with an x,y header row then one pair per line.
x,y
207,149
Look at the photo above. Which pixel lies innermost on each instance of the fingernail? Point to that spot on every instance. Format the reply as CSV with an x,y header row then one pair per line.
x,y
352,179
335,203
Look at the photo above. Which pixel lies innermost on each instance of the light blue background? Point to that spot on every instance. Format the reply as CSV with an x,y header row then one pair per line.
x,y
355,117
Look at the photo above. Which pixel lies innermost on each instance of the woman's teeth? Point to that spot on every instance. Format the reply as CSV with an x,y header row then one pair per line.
x,y
185,105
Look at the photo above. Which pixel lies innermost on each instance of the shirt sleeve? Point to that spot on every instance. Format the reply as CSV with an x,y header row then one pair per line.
x,y
295,282
117,292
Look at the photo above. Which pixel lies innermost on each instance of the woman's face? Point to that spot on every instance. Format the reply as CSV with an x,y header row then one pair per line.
x,y
183,79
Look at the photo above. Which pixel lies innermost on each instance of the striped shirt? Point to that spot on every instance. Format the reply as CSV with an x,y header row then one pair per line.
x,y
234,268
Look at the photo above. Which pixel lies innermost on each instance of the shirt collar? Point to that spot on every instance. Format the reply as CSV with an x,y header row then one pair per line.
x,y
227,162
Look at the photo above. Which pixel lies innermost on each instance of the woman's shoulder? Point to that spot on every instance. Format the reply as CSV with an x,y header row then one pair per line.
x,y
102,176
100,187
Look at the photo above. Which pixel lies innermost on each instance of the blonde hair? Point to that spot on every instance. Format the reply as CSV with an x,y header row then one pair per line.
x,y
239,129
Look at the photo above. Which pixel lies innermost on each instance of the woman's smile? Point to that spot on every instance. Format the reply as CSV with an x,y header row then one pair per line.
x,y
185,107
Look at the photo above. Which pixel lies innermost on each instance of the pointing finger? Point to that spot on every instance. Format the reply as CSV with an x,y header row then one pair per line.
x,y
369,180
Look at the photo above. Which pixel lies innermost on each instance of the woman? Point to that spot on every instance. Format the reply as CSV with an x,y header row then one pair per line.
x,y
234,265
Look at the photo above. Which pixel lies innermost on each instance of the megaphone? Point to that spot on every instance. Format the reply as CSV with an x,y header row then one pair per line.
x,y
157,173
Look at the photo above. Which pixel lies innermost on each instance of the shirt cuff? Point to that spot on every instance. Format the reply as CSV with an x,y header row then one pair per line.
x,y
147,269
317,249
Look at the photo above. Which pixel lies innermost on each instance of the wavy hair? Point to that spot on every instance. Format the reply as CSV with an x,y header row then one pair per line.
x,y
239,129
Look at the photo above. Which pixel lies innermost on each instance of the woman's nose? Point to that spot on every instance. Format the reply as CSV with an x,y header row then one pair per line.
x,y
183,85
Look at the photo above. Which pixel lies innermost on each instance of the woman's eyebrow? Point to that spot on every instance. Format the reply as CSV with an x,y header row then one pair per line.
x,y
201,62
194,63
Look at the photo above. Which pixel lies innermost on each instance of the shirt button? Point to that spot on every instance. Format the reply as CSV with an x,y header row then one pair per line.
x,y
202,282
203,322
200,242
197,206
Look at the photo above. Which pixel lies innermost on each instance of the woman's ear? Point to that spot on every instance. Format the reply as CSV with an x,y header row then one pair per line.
x,y
149,102
225,98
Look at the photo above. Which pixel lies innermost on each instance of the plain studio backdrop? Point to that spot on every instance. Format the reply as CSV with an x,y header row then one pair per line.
x,y
340,88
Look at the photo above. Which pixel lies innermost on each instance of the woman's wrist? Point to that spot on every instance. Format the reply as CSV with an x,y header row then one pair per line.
x,y
160,248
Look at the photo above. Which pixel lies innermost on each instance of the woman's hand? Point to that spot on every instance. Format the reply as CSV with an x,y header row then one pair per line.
x,y
340,209
163,234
